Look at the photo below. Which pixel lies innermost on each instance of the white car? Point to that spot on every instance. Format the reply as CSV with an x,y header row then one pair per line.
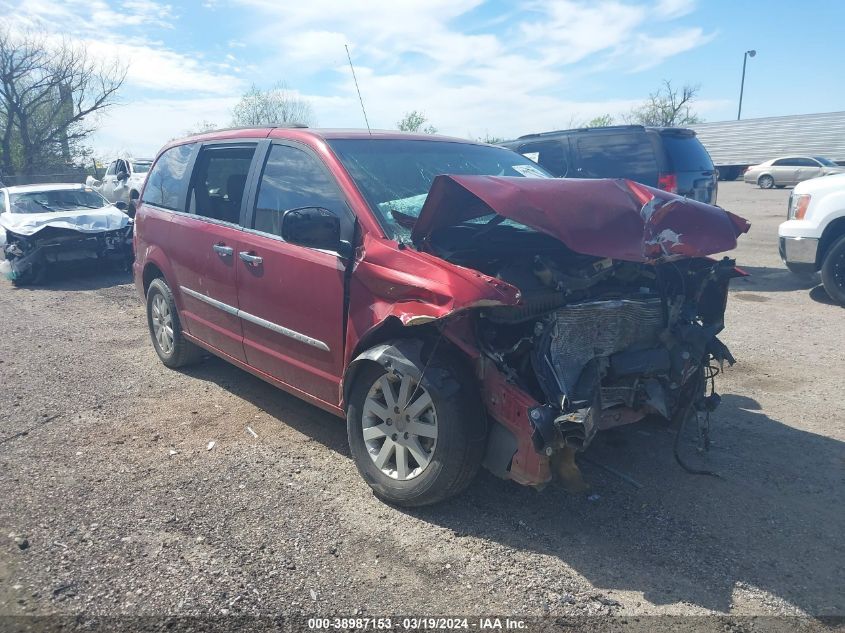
x,y
54,224
123,180
790,170
813,237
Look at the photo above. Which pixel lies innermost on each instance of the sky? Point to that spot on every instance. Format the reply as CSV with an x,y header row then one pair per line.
x,y
474,67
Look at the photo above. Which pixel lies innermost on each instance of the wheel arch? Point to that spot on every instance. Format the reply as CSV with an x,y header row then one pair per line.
x,y
831,233
381,343
395,346
151,271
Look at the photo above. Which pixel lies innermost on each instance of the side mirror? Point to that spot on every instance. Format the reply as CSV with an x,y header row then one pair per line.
x,y
314,227
122,175
120,204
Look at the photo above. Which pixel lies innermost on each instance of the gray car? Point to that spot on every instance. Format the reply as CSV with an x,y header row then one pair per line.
x,y
790,170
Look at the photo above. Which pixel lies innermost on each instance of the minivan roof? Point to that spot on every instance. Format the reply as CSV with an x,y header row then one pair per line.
x,y
300,131
610,128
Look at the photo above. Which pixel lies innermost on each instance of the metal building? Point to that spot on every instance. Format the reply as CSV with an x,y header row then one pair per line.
x,y
734,145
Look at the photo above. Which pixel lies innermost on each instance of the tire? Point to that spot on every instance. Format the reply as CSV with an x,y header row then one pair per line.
x,y
454,455
173,350
833,271
36,274
765,181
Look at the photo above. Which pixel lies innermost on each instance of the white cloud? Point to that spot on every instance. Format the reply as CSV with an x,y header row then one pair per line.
x,y
513,71
671,9
106,31
472,66
143,126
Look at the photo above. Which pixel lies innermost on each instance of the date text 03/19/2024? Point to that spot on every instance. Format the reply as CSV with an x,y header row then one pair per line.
x,y
417,624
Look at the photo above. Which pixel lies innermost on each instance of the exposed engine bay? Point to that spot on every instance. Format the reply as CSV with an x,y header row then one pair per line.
x,y
597,341
28,255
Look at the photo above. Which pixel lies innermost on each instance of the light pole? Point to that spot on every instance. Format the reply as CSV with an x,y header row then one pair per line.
x,y
745,57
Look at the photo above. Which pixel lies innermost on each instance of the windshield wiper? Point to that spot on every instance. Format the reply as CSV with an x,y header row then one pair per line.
x,y
44,205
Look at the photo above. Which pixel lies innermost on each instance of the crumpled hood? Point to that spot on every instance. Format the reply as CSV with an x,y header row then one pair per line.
x,y
83,220
616,218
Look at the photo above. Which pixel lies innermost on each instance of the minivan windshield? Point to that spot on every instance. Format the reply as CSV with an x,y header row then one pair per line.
x,y
395,175
55,200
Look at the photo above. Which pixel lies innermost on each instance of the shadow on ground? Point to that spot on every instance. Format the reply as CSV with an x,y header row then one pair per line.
x,y
772,521
772,279
77,276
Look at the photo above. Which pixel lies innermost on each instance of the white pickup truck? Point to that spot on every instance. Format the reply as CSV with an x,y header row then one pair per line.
x,y
123,180
813,237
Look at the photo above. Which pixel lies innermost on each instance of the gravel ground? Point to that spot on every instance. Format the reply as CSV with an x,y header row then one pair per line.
x,y
111,502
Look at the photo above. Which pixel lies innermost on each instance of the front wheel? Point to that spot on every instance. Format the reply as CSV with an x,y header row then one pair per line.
x,y
766,182
416,441
32,276
833,271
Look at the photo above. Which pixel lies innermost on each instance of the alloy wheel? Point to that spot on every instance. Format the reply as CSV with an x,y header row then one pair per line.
x,y
399,426
162,320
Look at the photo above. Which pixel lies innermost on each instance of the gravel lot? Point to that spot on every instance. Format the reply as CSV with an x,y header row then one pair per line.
x,y
111,503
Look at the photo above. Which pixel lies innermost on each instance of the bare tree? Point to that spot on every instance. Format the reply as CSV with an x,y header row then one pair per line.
x,y
667,107
50,93
201,127
491,139
276,105
414,121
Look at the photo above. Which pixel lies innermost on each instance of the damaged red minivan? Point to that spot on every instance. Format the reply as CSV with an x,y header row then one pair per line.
x,y
452,301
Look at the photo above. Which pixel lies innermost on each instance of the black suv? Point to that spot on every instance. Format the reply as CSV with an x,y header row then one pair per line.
x,y
669,158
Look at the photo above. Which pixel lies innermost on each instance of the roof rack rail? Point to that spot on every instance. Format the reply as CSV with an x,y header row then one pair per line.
x,y
263,126
583,129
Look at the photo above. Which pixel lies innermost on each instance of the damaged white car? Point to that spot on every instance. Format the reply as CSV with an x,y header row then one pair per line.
x,y
53,223
123,181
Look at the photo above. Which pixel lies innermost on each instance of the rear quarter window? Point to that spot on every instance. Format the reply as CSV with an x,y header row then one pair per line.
x,y
686,153
167,182
629,156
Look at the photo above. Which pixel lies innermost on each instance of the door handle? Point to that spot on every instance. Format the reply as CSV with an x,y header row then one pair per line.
x,y
223,250
249,258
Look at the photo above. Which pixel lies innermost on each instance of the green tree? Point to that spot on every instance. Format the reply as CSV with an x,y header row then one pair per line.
x,y
603,120
667,107
414,121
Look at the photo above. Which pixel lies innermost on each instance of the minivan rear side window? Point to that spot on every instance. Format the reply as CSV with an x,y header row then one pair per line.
x,y
617,156
219,182
165,184
293,179
686,153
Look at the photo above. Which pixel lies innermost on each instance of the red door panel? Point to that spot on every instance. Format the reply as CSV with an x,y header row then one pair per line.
x,y
291,306
203,256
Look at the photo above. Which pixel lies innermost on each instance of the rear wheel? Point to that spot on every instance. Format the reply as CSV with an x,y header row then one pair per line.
x,y
169,342
833,271
766,182
416,442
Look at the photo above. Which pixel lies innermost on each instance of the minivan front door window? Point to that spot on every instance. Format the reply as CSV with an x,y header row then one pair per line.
x,y
293,179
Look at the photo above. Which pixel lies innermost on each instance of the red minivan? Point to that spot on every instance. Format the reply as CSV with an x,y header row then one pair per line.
x,y
452,301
